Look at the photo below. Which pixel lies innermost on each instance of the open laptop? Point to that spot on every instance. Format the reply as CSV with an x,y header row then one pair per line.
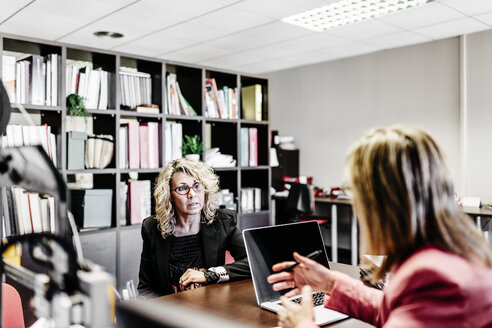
x,y
266,246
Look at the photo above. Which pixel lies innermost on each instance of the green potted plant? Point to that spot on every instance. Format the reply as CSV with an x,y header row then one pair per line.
x,y
75,105
192,147
77,114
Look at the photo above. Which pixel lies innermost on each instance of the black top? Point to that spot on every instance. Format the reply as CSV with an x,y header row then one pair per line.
x,y
185,252
217,237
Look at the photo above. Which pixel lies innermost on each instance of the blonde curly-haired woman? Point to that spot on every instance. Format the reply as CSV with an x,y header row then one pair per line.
x,y
184,245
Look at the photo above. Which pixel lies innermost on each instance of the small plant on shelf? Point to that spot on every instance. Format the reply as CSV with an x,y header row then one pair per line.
x,y
192,147
75,105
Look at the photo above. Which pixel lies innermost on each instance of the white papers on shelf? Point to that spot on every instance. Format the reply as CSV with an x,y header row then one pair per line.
x,y
214,158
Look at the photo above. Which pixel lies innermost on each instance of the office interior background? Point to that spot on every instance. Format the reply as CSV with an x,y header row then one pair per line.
x,y
426,66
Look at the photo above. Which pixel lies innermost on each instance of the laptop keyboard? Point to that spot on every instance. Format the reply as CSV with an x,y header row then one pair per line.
x,y
318,298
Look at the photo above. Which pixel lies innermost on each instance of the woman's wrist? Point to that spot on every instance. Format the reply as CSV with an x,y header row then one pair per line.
x,y
330,282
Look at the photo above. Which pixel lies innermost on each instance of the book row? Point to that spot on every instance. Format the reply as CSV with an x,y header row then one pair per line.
x,y
32,80
91,84
139,145
31,135
136,195
27,212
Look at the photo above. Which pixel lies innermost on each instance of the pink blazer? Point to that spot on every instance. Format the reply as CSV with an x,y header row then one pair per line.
x,y
432,288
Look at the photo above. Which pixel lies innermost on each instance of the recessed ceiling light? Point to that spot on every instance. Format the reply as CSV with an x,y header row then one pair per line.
x,y
108,35
347,12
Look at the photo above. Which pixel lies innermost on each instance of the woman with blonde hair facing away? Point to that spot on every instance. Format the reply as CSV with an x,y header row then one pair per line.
x,y
440,265
184,245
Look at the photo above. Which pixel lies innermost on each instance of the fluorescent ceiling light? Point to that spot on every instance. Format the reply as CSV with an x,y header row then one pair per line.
x,y
346,12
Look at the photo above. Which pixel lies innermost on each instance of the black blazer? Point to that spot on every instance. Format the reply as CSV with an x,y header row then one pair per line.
x,y
217,237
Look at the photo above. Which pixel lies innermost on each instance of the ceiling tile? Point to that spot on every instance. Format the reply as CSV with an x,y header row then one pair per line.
x,y
171,39
453,28
50,19
280,8
196,53
314,41
429,14
261,36
351,49
141,19
485,18
469,7
232,19
397,40
9,7
364,30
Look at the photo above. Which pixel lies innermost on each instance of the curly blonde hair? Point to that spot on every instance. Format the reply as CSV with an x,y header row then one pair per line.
x,y
164,209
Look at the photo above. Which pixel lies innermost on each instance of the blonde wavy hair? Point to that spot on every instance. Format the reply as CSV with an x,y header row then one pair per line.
x,y
404,198
164,209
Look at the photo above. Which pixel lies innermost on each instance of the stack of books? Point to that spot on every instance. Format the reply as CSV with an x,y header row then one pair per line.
x,y
138,200
32,79
27,212
173,136
139,145
252,101
176,102
250,200
30,135
221,103
249,147
91,84
135,88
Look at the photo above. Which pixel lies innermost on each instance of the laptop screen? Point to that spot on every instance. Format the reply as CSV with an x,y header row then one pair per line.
x,y
269,245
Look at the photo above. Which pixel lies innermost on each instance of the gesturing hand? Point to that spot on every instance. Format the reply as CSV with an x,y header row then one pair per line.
x,y
294,313
191,276
308,272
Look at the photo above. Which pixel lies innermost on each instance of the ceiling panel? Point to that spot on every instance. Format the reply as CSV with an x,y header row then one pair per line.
x,y
51,19
453,28
398,40
196,53
252,56
469,7
9,7
171,39
280,8
429,14
141,19
351,49
261,36
232,19
364,30
315,41
485,18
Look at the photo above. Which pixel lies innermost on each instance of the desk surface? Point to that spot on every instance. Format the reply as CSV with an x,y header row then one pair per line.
x,y
237,301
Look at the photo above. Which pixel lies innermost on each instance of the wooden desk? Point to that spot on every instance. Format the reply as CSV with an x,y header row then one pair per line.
x,y
237,301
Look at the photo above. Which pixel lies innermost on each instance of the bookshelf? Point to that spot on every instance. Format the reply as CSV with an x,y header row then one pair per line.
x,y
118,246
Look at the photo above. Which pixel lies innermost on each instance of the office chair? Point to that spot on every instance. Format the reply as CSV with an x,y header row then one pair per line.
x,y
12,314
300,204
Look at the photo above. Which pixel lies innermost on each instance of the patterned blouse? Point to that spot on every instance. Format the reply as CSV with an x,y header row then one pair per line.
x,y
185,252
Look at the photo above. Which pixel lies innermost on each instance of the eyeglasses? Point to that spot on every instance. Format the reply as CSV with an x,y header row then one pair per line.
x,y
185,189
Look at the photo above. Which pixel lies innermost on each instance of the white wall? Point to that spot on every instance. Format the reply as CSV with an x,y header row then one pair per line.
x,y
478,175
330,105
